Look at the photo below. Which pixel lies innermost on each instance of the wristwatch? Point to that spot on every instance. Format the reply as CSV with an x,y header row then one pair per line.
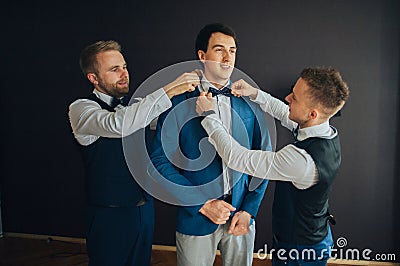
x,y
209,112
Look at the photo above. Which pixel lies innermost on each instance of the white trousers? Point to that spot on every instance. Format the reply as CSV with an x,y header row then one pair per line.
x,y
201,250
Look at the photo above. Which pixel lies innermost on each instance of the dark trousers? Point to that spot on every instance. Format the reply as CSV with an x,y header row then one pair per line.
x,y
120,236
298,255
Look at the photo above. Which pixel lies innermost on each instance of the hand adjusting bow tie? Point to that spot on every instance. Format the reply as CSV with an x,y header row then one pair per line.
x,y
224,91
123,101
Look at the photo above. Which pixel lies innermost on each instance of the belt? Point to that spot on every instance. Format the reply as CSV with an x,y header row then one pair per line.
x,y
141,202
227,198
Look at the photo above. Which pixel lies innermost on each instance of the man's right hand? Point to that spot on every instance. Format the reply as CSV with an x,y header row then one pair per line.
x,y
185,82
204,103
242,88
218,211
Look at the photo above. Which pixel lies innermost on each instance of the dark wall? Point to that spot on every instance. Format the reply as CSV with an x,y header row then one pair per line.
x,y
42,175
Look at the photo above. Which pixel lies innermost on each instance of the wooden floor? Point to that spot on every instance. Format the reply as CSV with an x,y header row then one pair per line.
x,y
22,251
15,251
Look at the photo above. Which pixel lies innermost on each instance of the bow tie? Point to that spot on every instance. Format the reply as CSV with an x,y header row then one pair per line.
x,y
123,101
295,132
224,91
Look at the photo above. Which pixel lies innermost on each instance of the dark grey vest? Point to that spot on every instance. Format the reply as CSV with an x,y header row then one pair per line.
x,y
301,216
108,179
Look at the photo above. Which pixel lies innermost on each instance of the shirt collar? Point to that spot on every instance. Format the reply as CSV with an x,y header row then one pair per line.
x,y
205,84
104,97
323,130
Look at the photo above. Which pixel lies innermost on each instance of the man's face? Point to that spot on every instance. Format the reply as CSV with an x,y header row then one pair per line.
x,y
219,60
299,103
112,77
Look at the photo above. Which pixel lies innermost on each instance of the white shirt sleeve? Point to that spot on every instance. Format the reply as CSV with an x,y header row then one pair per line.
x,y
90,122
288,164
275,108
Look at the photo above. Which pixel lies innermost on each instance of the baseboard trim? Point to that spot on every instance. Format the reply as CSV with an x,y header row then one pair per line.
x,y
46,237
173,248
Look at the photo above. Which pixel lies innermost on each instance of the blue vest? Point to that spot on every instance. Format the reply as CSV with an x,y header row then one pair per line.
x,y
108,179
301,216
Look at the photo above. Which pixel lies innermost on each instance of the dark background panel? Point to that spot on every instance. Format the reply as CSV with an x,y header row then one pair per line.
x,y
42,175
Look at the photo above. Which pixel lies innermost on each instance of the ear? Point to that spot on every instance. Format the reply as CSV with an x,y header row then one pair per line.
x,y
202,55
313,114
92,78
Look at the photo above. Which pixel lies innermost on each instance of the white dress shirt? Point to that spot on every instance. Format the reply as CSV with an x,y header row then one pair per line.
x,y
288,164
89,121
223,110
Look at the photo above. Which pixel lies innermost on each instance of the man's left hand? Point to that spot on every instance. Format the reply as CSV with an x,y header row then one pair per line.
x,y
240,223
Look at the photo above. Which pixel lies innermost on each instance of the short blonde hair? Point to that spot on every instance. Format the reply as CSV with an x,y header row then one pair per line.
x,y
327,88
88,61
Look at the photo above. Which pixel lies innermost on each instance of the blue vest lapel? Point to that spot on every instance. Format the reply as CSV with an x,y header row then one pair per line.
x,y
195,93
235,115
240,129
240,133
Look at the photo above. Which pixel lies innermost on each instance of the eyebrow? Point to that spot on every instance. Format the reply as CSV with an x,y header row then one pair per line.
x,y
111,67
220,45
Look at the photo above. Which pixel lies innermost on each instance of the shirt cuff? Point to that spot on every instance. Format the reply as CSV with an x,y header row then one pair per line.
x,y
261,98
161,99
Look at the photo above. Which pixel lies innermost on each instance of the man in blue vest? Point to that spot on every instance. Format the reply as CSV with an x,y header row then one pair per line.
x,y
304,170
222,215
120,214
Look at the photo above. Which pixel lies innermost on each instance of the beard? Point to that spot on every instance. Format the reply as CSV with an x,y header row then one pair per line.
x,y
115,89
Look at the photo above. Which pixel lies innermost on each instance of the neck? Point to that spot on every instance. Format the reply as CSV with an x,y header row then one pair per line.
x,y
312,122
101,90
217,83
109,93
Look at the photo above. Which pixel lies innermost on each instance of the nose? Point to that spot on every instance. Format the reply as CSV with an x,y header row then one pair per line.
x,y
289,98
227,56
124,73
